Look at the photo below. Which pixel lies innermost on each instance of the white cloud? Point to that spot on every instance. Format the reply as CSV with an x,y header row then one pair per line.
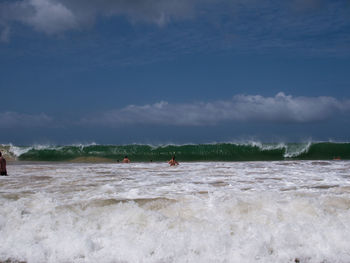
x,y
14,120
275,24
56,16
48,16
241,108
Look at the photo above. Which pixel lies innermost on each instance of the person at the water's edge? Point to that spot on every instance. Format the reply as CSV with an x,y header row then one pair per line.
x,y
172,162
126,160
3,170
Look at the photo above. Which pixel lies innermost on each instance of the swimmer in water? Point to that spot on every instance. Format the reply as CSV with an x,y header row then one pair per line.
x,y
3,170
172,161
126,160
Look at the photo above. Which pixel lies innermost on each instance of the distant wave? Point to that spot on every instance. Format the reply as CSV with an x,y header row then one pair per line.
x,y
252,151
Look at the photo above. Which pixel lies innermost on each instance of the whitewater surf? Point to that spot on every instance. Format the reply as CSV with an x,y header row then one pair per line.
x,y
275,211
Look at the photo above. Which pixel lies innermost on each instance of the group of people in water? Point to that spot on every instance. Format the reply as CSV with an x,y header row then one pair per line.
x,y
3,171
172,161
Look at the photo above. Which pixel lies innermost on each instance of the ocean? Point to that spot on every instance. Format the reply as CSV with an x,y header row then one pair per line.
x,y
78,204
251,151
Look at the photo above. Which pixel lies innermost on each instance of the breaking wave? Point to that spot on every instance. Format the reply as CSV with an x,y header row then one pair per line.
x,y
252,151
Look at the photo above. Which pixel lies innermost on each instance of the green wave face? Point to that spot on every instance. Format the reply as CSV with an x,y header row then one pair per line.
x,y
199,152
327,151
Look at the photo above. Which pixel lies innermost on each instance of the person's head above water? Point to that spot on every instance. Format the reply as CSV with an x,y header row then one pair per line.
x,y
126,159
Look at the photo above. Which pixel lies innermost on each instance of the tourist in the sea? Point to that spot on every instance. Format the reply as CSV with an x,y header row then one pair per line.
x,y
173,162
126,160
3,170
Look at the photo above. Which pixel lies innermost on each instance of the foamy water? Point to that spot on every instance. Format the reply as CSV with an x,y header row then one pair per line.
x,y
284,211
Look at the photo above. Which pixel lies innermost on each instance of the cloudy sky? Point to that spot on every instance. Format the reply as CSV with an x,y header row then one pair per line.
x,y
164,71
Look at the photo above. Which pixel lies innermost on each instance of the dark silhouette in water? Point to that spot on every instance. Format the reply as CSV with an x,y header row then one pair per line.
x,y
3,170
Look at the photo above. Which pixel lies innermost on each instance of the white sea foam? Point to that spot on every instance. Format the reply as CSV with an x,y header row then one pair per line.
x,y
19,150
294,150
196,212
291,149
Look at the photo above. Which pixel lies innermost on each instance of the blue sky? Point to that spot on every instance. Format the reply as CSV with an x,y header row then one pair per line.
x,y
148,71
